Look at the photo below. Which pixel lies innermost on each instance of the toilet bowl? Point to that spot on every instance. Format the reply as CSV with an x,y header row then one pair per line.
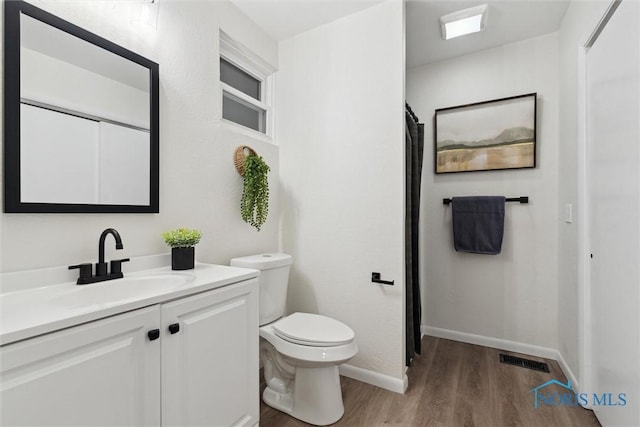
x,y
301,352
302,378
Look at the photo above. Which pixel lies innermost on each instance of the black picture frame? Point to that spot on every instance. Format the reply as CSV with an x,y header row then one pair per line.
x,y
490,135
12,198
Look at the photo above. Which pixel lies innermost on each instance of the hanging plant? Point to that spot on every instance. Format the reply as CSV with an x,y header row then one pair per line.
x,y
254,205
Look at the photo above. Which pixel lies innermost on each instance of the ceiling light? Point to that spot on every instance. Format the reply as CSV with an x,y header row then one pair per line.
x,y
463,22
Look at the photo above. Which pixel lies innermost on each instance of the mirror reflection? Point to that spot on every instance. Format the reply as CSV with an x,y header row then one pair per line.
x,y
84,121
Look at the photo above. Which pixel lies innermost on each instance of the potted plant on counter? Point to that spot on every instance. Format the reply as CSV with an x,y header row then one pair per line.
x,y
182,242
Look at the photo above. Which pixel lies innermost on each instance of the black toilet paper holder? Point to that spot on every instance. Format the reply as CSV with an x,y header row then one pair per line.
x,y
375,278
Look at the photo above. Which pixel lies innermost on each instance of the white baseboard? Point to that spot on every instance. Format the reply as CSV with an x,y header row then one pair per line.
x,y
501,344
568,372
374,378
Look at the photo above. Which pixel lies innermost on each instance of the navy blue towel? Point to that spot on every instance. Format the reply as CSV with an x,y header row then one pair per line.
x,y
478,224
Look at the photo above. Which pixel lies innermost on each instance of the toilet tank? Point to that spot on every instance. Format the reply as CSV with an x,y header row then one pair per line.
x,y
273,282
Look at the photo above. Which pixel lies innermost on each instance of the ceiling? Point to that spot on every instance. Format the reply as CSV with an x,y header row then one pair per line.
x,y
507,21
283,19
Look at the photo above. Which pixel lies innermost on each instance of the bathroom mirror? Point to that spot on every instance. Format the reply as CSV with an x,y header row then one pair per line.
x,y
80,119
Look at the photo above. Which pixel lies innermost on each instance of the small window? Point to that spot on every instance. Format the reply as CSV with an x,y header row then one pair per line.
x,y
235,77
245,81
243,110
243,113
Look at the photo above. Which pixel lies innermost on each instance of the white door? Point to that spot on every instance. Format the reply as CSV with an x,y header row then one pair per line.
x,y
210,361
613,141
102,373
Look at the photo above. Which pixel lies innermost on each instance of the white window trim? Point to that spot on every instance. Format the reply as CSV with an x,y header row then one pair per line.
x,y
243,58
249,101
235,127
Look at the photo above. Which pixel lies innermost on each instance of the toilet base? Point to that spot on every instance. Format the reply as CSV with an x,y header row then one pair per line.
x,y
316,397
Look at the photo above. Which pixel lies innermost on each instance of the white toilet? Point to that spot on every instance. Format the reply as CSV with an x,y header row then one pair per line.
x,y
301,352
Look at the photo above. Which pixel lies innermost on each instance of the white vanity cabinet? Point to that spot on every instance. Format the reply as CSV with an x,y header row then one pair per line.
x,y
201,370
210,365
104,372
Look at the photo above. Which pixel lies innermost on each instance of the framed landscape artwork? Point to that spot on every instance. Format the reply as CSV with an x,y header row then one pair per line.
x,y
489,135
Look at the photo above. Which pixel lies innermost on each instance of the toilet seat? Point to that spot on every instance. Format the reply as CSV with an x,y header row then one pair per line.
x,y
313,330
308,356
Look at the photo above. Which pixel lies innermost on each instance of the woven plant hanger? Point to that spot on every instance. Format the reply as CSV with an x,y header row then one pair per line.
x,y
240,155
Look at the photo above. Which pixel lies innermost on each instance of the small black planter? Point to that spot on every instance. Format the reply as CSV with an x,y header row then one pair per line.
x,y
182,258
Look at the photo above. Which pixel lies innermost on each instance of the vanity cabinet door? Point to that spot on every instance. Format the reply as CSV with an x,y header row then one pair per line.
x,y
210,361
105,372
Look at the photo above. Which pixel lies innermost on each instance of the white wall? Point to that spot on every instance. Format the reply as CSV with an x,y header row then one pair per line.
x,y
340,124
199,186
580,19
513,295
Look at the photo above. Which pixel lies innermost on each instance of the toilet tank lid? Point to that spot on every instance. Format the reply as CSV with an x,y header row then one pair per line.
x,y
262,261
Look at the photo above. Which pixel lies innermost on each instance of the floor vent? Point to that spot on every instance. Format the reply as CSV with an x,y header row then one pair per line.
x,y
525,363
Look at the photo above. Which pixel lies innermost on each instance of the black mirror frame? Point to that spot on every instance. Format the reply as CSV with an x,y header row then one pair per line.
x,y
12,201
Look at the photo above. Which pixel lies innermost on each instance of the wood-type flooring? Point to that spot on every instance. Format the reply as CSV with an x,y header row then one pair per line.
x,y
453,384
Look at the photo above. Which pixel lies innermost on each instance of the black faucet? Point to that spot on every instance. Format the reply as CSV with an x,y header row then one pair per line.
x,y
102,274
101,266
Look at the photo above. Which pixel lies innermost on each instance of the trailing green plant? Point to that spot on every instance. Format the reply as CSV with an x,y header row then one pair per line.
x,y
182,237
254,205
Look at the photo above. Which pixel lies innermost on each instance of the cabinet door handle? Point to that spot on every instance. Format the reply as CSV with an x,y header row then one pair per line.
x,y
174,328
153,334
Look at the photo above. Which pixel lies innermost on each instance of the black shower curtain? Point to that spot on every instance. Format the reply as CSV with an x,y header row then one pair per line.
x,y
414,144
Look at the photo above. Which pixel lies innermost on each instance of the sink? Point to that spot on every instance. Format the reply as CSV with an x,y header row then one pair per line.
x,y
115,292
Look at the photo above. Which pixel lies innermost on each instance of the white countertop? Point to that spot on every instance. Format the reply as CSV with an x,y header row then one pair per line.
x,y
39,310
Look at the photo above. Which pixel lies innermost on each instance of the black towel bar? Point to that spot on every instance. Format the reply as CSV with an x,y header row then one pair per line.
x,y
521,199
